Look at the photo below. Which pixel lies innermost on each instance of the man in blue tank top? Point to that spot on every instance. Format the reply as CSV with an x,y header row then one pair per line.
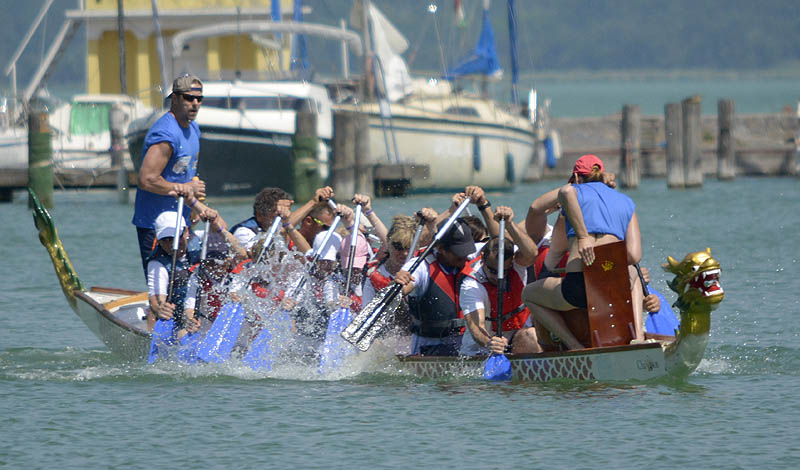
x,y
169,161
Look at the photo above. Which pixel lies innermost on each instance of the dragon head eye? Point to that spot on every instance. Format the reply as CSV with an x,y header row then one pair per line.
x,y
695,268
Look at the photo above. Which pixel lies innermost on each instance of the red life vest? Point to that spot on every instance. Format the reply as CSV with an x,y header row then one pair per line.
x,y
515,313
539,264
378,280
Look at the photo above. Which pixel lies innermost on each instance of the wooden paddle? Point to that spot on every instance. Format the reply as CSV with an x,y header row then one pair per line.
x,y
334,349
163,330
360,331
497,366
222,336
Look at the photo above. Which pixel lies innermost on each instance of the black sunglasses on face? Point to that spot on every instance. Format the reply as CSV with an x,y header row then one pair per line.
x,y
189,97
399,246
493,271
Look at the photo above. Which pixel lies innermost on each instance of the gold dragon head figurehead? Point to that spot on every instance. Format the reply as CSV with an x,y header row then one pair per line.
x,y
696,280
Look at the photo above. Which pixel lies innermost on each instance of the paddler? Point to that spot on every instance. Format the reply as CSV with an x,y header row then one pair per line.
x,y
432,291
479,294
265,209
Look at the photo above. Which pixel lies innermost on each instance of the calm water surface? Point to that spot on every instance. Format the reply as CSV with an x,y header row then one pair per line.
x,y
66,402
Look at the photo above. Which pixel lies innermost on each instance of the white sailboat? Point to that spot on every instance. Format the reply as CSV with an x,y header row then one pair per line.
x,y
463,138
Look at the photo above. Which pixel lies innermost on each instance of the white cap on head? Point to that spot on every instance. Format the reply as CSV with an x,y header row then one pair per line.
x,y
165,224
331,248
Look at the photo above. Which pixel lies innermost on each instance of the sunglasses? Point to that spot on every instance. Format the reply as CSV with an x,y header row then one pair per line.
x,y
493,271
189,97
399,246
321,223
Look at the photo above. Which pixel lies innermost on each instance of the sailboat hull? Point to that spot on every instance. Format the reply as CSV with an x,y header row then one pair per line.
x,y
457,152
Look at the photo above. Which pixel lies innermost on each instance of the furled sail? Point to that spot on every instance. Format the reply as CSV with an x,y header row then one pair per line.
x,y
388,44
483,59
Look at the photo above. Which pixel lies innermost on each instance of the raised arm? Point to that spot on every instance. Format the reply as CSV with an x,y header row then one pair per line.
x,y
540,208
380,229
321,196
478,197
526,254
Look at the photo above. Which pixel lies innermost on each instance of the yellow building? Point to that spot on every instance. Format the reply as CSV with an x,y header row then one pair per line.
x,y
248,56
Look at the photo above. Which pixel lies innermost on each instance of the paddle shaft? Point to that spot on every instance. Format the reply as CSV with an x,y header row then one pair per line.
x,y
395,289
270,235
204,249
176,240
415,241
353,243
501,285
641,278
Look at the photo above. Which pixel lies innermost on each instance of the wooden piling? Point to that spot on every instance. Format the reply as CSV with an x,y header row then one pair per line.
x,y
630,146
364,172
343,166
305,146
116,121
726,153
692,142
40,158
673,131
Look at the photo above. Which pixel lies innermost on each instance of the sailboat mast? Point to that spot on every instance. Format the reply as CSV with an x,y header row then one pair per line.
x,y
160,47
512,36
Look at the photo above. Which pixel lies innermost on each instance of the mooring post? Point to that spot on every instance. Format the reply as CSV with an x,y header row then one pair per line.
x,y
630,146
343,167
364,167
40,155
305,146
673,131
692,141
116,121
726,152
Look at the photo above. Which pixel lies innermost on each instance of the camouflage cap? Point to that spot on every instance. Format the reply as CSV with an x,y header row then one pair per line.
x,y
183,84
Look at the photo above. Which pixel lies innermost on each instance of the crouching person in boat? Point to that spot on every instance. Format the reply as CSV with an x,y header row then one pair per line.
x,y
160,275
595,215
390,259
432,292
265,208
479,290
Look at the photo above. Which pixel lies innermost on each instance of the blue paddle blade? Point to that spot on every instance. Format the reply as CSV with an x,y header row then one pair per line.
x,y
188,347
497,368
267,345
222,336
163,337
335,349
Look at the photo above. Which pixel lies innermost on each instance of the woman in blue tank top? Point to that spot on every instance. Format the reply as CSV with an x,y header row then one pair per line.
x,y
593,214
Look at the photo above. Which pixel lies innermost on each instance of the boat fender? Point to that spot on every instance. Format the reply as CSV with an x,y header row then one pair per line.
x,y
510,173
476,153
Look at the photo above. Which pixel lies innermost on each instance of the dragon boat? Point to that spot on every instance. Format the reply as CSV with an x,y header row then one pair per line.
x,y
117,318
611,356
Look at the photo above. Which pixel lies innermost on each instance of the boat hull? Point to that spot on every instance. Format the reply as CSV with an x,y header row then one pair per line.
x,y
609,364
116,317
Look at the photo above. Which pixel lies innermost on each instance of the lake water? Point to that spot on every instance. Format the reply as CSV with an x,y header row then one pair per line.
x,y
66,402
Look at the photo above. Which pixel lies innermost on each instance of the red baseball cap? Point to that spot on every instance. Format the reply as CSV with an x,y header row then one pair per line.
x,y
584,166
